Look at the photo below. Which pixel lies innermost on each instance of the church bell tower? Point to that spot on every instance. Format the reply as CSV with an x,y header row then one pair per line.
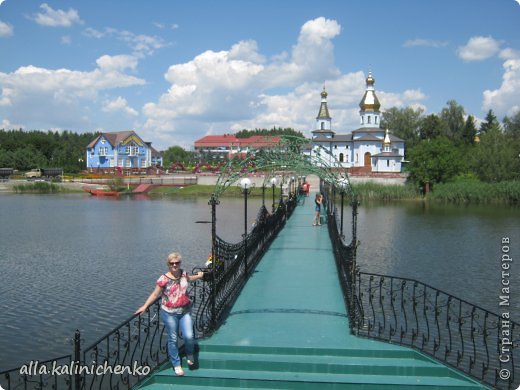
x,y
369,112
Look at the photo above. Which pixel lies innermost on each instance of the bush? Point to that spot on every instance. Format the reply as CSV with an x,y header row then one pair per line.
x,y
41,187
373,191
468,190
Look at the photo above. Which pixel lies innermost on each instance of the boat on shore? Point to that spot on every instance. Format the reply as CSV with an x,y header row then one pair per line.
x,y
100,192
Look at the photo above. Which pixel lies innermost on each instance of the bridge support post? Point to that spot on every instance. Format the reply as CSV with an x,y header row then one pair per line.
x,y
77,358
354,245
341,222
213,202
273,185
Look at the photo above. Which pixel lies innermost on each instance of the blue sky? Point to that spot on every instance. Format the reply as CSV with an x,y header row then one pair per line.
x,y
176,70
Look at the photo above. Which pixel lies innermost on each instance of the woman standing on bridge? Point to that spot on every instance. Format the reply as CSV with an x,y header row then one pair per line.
x,y
317,200
175,309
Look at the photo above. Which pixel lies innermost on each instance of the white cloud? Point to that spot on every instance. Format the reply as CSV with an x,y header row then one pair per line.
x,y
66,40
479,48
118,62
6,125
505,100
419,42
119,104
509,54
56,18
239,88
58,98
141,45
6,30
246,51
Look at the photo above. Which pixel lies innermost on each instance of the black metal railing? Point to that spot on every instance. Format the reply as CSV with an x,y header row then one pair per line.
x,y
130,352
232,266
482,344
452,330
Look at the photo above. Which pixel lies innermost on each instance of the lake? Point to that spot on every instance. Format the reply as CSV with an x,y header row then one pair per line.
x,y
78,262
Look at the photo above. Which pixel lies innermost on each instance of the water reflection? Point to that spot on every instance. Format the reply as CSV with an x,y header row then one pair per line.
x,y
453,248
80,262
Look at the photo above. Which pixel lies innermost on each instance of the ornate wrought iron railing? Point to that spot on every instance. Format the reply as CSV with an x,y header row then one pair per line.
x,y
483,345
232,266
124,356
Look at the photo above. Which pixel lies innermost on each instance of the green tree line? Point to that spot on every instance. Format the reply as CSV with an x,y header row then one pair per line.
x,y
443,146
24,150
269,132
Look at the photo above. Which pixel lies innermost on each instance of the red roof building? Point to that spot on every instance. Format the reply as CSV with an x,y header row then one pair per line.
x,y
228,145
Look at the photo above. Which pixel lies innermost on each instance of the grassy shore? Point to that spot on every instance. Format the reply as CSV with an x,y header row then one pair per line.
x,y
207,190
381,192
474,191
39,187
459,191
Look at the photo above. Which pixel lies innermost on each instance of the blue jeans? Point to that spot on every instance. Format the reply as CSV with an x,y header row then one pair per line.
x,y
173,323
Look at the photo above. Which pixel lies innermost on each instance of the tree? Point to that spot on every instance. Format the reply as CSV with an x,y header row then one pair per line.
x,y
512,126
430,127
469,131
496,158
452,118
489,123
272,132
31,149
404,123
175,154
434,161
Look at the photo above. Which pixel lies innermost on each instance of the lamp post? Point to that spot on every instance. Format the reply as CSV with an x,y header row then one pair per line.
x,y
273,185
245,183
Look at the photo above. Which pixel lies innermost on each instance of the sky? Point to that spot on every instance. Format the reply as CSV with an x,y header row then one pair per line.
x,y
176,70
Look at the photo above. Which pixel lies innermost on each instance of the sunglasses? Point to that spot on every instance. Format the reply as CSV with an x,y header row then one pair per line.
x,y
174,263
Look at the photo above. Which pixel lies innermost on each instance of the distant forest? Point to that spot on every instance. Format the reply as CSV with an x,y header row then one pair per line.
x,y
24,150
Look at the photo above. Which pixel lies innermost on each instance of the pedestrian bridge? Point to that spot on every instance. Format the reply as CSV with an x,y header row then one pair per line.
x,y
289,328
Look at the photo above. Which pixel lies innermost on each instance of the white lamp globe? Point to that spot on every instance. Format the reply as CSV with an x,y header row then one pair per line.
x,y
245,183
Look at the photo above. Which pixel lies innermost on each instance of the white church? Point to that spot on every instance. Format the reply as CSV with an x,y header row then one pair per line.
x,y
369,149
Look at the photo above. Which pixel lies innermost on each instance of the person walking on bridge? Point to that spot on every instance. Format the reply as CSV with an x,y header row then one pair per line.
x,y
175,310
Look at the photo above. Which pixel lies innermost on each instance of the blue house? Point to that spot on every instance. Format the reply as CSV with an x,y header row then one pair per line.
x,y
123,149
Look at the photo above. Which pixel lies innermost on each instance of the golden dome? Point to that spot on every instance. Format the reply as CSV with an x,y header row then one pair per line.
x,y
370,102
324,93
370,80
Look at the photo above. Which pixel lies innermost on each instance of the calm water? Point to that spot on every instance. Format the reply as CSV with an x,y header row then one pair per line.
x,y
77,262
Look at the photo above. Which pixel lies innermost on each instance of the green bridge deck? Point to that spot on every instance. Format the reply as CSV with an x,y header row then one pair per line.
x,y
289,329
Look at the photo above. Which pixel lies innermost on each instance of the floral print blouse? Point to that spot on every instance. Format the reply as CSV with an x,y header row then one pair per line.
x,y
174,296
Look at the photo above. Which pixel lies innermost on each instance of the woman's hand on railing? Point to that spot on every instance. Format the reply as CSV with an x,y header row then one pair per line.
x,y
197,276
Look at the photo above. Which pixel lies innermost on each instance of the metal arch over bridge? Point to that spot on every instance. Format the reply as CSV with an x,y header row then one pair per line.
x,y
286,156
